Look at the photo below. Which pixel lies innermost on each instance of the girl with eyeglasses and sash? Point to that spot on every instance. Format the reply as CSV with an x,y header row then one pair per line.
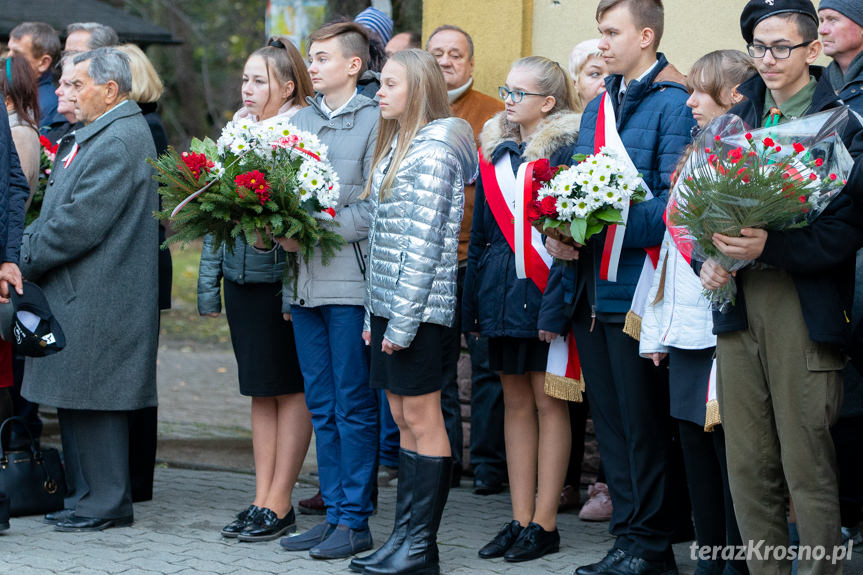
x,y
275,86
539,122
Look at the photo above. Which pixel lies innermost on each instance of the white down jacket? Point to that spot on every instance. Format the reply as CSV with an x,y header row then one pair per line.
x,y
413,238
682,318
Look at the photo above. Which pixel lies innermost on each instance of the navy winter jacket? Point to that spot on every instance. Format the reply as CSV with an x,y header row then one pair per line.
x,y
819,257
655,126
495,302
14,192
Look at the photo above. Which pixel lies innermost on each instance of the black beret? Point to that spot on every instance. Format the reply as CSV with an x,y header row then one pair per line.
x,y
757,10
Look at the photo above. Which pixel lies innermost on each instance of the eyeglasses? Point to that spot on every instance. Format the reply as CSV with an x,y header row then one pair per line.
x,y
778,52
515,95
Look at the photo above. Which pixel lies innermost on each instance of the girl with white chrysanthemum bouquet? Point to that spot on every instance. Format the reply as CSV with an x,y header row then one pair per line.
x,y
251,192
580,201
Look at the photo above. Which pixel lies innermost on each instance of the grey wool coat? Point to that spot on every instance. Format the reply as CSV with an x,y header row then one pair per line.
x,y
94,252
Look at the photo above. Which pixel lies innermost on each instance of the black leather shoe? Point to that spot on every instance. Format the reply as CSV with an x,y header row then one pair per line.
x,y
244,519
76,524
612,557
481,487
533,543
267,526
502,541
56,516
632,565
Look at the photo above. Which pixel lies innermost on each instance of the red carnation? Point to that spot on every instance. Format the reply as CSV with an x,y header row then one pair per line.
x,y
799,148
778,148
769,142
833,177
802,199
735,155
813,177
534,212
717,138
819,162
548,206
748,135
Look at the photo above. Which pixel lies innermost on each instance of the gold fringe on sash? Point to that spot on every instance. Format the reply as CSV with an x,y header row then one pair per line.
x,y
564,388
712,419
632,325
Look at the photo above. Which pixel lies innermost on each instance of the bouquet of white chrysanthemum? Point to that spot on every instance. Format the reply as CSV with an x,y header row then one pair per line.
x,y
580,201
256,177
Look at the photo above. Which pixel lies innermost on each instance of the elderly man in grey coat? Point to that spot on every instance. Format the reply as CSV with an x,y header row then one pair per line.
x,y
93,250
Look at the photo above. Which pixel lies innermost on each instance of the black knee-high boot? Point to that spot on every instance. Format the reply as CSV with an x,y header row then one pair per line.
x,y
404,497
418,554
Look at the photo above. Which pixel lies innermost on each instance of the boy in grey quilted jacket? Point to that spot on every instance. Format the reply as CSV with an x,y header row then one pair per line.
x,y
328,307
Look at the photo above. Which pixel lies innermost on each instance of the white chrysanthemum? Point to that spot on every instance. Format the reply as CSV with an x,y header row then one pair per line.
x,y
217,171
581,208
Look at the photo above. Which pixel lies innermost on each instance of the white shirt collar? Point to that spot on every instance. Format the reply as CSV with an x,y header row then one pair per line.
x,y
623,86
329,111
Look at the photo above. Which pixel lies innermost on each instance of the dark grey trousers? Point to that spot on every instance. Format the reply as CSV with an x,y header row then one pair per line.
x,y
96,454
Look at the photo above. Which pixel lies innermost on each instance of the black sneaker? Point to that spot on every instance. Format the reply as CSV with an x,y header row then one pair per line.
x,y
266,526
533,543
502,541
244,518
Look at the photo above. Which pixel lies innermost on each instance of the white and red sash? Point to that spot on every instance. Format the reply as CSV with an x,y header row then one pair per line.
x,y
507,195
606,136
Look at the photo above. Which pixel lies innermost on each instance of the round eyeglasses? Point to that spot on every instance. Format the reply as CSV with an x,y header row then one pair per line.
x,y
778,52
515,95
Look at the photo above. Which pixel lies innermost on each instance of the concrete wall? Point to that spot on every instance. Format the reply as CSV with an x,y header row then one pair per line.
x,y
504,30
501,30
692,28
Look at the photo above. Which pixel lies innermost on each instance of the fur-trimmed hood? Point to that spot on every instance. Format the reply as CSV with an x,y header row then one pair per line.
x,y
555,131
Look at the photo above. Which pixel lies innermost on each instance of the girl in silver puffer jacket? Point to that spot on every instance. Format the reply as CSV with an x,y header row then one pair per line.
x,y
422,160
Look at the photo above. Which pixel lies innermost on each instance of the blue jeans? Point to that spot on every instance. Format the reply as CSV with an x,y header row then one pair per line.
x,y
335,365
388,447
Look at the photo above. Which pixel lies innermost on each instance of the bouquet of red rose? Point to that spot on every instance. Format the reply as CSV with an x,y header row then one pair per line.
x,y
47,153
578,202
259,177
773,178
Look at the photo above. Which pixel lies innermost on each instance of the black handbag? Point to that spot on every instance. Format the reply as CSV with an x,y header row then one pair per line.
x,y
33,478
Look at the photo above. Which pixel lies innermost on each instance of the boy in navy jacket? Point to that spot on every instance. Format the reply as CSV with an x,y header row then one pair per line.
x,y
629,411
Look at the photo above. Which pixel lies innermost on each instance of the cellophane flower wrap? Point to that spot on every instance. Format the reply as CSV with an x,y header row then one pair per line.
x,y
774,178
47,154
266,176
582,200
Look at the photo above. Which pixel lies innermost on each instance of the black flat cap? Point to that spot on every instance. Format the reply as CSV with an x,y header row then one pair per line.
x,y
757,10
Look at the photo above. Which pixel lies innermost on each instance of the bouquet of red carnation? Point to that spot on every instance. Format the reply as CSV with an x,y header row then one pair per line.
x,y
259,177
47,153
578,202
773,178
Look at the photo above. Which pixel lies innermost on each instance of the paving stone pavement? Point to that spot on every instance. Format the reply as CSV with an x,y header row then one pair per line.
x,y
178,533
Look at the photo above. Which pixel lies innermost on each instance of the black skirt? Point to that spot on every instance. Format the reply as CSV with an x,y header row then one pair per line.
x,y
517,355
263,342
688,376
417,370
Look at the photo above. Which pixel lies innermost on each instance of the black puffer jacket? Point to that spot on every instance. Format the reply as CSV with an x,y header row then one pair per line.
x,y
14,192
819,257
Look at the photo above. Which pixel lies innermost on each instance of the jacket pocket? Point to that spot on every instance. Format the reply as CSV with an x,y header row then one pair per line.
x,y
824,357
69,293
